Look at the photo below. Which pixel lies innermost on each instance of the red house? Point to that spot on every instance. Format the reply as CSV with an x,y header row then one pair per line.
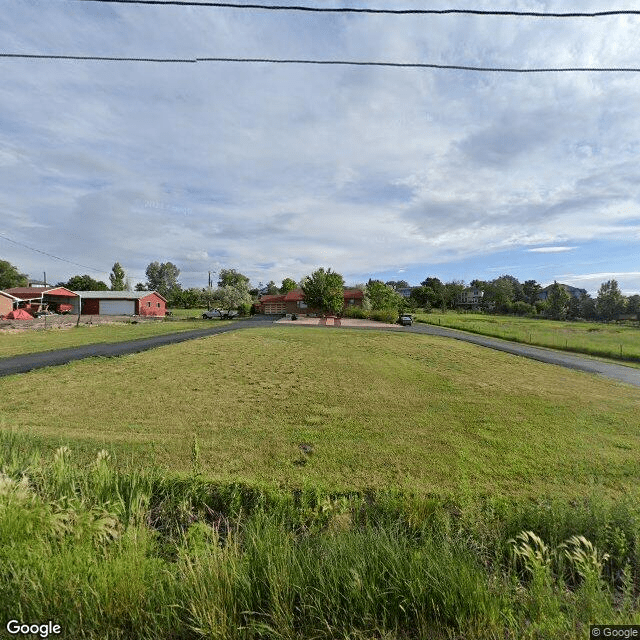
x,y
293,302
123,303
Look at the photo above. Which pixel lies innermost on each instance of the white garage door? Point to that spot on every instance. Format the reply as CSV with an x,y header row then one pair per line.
x,y
117,307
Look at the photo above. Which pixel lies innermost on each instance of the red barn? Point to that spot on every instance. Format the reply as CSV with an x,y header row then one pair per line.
x,y
123,303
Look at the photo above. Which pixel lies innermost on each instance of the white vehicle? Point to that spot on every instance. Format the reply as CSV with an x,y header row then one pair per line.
x,y
218,313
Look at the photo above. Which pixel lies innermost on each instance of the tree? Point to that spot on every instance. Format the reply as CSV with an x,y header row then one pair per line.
x,y
557,302
188,298
610,301
531,289
437,296
517,290
231,278
633,304
141,286
324,290
422,297
84,283
288,285
117,278
10,276
272,288
382,296
230,298
587,307
397,284
452,292
162,277
501,292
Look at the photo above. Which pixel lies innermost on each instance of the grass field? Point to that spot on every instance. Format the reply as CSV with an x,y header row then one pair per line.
x,y
33,341
618,342
408,411
427,462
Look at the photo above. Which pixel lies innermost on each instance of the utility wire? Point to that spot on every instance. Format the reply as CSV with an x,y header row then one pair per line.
x,y
477,12
84,266
410,65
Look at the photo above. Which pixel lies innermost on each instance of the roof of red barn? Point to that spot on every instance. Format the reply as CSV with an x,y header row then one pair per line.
x,y
28,293
354,293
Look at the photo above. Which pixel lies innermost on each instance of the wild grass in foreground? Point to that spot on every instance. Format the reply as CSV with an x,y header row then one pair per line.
x,y
34,341
618,342
373,409
109,555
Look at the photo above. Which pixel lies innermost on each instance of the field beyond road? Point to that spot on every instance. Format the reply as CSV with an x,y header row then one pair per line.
x,y
341,409
614,341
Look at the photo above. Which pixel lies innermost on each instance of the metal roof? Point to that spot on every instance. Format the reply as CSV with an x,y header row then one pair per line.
x,y
117,295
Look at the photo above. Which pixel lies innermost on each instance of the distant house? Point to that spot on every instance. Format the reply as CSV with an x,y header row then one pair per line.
x,y
293,302
471,297
405,292
123,303
7,303
33,299
573,291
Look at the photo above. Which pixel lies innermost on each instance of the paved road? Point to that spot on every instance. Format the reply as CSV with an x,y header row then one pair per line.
x,y
28,362
24,363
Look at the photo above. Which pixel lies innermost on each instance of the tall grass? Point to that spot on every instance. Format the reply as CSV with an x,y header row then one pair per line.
x,y
123,554
592,338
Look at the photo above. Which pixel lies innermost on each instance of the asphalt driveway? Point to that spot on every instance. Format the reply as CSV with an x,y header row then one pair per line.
x,y
24,363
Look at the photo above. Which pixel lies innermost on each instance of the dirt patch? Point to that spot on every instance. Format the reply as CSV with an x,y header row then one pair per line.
x,y
65,322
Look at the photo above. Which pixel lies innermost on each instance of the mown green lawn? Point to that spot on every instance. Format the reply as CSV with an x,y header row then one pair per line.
x,y
593,338
380,410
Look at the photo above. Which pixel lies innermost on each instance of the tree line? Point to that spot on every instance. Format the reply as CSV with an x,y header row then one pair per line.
x,y
324,290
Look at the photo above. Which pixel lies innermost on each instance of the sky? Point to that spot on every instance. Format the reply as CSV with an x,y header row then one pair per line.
x,y
276,170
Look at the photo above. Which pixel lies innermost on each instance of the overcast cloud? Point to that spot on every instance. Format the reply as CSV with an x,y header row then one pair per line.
x,y
276,170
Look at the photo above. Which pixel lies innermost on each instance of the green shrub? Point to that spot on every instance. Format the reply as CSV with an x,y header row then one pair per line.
x,y
354,312
385,315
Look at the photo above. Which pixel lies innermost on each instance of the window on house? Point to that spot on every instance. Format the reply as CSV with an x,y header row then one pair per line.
x,y
158,305
148,304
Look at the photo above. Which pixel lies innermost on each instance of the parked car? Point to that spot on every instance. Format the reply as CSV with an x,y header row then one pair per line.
x,y
218,313
405,320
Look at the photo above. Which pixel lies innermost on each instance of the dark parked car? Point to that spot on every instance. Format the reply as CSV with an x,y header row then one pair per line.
x,y
405,320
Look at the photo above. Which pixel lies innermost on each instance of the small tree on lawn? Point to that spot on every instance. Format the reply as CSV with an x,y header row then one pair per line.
x,y
324,290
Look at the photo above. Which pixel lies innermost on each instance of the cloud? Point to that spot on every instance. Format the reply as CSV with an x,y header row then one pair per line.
x,y
550,249
275,170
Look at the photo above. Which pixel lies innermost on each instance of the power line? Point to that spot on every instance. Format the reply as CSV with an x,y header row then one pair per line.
x,y
50,255
358,63
477,12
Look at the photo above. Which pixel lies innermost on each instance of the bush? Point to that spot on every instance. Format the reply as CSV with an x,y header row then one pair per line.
x,y
522,308
385,315
354,312
244,309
